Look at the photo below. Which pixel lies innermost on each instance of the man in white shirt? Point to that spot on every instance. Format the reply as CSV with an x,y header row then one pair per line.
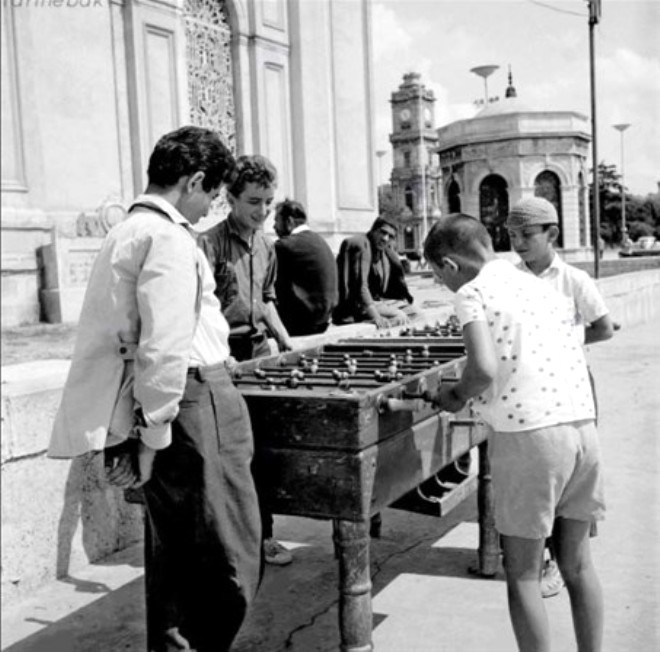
x,y
149,387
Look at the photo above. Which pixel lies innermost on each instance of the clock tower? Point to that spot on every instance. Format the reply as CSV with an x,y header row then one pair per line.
x,y
415,174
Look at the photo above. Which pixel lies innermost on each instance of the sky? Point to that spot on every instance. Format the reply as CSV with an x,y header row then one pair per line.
x,y
546,43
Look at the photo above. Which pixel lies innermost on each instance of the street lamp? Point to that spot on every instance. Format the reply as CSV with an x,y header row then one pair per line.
x,y
621,128
484,72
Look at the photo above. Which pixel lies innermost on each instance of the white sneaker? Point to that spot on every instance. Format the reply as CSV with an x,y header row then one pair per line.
x,y
275,553
551,580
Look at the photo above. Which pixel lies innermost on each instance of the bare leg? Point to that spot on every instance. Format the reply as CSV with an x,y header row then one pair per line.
x,y
522,565
571,540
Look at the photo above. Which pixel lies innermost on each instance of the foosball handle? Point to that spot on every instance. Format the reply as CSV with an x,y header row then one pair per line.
x,y
387,405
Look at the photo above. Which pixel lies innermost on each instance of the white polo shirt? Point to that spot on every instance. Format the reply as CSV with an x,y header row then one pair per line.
x,y
542,375
581,295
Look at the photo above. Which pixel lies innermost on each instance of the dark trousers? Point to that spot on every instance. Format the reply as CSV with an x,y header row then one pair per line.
x,y
249,347
203,536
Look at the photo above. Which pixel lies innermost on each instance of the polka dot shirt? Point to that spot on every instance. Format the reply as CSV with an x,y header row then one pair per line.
x,y
542,377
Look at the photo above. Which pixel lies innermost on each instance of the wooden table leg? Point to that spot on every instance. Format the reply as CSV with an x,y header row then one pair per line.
x,y
355,619
489,541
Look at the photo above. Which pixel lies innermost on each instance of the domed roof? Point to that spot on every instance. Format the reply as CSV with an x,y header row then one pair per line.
x,y
507,105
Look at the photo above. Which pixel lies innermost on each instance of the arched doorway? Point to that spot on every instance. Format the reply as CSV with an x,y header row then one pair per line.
x,y
409,198
454,197
548,186
494,209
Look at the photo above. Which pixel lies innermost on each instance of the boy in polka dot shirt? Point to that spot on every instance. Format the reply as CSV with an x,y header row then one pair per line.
x,y
527,376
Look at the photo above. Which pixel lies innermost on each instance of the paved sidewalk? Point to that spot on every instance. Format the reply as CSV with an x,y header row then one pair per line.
x,y
424,598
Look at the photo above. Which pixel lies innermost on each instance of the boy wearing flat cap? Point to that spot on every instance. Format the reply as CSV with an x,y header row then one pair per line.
x,y
533,227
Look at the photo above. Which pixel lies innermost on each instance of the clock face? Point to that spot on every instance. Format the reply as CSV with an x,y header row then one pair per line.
x,y
405,115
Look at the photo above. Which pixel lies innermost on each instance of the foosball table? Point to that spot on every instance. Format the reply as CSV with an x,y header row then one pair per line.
x,y
345,429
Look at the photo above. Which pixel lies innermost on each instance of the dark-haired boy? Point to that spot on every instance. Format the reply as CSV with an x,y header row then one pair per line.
x,y
306,282
528,379
244,264
148,385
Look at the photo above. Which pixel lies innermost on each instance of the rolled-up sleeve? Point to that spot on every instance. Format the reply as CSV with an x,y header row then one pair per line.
x,y
268,290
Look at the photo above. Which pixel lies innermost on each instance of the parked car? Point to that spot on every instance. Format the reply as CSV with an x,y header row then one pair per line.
x,y
647,245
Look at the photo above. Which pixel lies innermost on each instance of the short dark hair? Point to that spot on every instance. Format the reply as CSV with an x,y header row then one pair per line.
x,y
293,209
456,233
251,169
188,150
382,220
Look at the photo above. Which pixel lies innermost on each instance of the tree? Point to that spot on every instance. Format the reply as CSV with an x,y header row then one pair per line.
x,y
387,205
642,213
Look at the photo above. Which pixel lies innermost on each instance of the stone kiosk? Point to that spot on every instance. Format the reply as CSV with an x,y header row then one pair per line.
x,y
510,151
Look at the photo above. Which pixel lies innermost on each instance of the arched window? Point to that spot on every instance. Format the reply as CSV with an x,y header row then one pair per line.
x,y
454,197
409,238
582,210
548,186
494,209
410,198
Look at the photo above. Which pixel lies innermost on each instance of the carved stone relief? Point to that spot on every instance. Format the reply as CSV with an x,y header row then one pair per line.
x,y
210,76
97,225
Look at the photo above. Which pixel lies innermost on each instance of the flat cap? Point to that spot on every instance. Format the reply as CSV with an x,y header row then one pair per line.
x,y
532,211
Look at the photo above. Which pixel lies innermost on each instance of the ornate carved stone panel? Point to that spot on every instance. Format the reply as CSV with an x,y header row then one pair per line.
x,y
210,73
210,81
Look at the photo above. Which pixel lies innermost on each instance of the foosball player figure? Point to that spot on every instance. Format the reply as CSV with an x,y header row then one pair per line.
x,y
529,382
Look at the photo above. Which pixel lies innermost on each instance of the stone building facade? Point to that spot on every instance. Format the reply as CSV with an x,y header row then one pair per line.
x,y
88,87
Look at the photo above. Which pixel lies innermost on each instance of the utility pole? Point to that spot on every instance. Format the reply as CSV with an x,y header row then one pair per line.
x,y
594,17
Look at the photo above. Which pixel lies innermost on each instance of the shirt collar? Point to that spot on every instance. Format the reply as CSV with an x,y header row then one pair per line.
x,y
299,229
165,206
233,232
553,268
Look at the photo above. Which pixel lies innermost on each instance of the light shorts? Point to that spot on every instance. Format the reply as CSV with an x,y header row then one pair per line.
x,y
539,475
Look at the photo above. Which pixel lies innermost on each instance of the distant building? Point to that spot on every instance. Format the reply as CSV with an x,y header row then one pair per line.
x,y
510,151
415,179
